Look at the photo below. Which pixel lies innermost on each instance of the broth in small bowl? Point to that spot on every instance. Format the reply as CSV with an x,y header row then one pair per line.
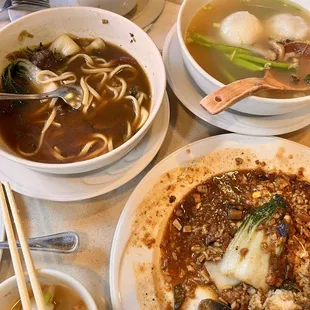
x,y
60,292
223,42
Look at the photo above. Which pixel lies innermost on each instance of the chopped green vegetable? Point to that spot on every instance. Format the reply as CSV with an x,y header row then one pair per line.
x,y
24,34
307,78
202,40
245,259
47,298
289,286
263,61
208,6
246,64
179,296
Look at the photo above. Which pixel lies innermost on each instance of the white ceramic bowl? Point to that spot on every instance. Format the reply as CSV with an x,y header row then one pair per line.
x,y
251,105
47,25
9,292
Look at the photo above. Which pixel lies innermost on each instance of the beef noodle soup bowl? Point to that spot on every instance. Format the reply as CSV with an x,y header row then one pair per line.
x,y
116,64
226,41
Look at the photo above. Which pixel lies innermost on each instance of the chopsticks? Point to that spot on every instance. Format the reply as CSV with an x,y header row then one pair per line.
x,y
6,195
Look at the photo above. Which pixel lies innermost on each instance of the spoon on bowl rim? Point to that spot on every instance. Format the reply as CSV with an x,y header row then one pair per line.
x,y
230,94
65,243
70,94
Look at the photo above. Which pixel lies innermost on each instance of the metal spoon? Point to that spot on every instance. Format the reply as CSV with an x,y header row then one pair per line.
x,y
210,304
66,242
70,94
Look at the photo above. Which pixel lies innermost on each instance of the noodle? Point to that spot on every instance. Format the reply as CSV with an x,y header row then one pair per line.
x,y
129,131
136,107
144,117
121,67
87,59
47,76
47,124
103,82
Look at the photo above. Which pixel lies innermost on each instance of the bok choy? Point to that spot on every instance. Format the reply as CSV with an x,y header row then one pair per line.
x,y
64,46
245,258
24,69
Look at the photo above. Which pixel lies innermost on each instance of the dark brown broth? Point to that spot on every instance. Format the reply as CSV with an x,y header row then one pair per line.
x,y
18,125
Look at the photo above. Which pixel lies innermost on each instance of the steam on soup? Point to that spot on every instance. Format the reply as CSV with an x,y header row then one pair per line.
x,y
116,100
237,39
56,297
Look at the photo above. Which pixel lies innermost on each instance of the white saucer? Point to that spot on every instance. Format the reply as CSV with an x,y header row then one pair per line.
x,y
190,95
145,12
87,185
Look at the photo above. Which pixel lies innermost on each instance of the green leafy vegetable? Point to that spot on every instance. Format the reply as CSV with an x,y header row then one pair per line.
x,y
179,296
307,78
289,286
23,69
245,259
263,213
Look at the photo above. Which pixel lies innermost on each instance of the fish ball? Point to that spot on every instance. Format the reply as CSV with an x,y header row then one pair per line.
x,y
287,26
241,28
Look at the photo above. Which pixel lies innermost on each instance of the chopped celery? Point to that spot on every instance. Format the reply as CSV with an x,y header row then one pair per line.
x,y
273,64
246,64
201,40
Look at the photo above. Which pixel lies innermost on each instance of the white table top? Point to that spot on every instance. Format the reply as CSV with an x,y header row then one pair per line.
x,y
95,219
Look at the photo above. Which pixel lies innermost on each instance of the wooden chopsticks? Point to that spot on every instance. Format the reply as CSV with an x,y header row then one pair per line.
x,y
6,195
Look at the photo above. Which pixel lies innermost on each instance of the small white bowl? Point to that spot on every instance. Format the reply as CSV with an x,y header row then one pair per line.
x,y
86,22
251,105
9,291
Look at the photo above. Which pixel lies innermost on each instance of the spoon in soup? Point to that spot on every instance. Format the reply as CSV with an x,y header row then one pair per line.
x,y
230,94
70,94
